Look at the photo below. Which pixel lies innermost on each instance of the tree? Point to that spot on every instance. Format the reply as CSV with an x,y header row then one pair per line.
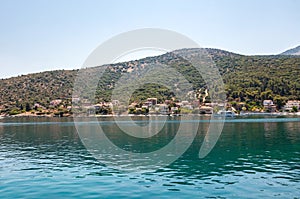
x,y
266,95
294,109
280,101
27,107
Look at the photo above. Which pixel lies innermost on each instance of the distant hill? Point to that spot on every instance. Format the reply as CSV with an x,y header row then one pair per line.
x,y
36,88
293,51
248,79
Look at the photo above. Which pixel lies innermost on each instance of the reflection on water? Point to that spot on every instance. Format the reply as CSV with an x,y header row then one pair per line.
x,y
251,159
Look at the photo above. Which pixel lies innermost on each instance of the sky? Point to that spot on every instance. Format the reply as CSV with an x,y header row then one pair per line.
x,y
41,35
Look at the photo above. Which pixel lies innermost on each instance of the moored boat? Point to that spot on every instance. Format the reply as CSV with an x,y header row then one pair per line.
x,y
225,113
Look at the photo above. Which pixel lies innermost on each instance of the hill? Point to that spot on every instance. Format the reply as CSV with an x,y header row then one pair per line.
x,y
249,79
39,88
293,51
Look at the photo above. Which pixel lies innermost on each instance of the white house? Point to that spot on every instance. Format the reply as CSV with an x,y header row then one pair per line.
x,y
290,104
163,109
268,103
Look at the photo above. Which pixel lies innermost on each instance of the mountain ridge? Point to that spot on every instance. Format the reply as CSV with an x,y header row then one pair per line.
x,y
291,51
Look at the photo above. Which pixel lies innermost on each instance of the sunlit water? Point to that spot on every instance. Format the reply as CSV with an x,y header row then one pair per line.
x,y
254,157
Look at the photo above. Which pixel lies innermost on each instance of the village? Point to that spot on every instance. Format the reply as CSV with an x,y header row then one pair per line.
x,y
151,106
171,107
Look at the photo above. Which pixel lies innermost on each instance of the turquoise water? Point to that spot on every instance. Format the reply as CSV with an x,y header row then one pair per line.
x,y
254,157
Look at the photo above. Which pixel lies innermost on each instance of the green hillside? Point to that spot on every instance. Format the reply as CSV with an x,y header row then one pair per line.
x,y
249,79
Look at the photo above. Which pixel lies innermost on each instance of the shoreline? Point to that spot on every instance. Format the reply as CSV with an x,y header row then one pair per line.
x,y
142,115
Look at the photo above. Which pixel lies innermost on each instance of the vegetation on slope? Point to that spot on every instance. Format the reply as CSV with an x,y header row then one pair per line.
x,y
248,79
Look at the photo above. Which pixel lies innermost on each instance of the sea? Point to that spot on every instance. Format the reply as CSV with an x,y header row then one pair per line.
x,y
250,157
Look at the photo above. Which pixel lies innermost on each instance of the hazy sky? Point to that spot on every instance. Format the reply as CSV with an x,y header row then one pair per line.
x,y
46,35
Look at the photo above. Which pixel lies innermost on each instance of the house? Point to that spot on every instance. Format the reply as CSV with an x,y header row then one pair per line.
x,y
38,106
268,103
69,108
115,102
148,104
75,100
178,104
145,107
168,102
185,103
163,109
291,104
195,103
269,106
152,101
55,102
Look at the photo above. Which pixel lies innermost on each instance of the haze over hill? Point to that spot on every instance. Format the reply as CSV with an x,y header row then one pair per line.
x,y
248,79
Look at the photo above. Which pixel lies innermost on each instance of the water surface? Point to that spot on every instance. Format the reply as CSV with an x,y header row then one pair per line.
x,y
254,157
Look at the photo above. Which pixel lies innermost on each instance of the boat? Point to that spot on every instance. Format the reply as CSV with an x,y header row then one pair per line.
x,y
206,110
225,113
